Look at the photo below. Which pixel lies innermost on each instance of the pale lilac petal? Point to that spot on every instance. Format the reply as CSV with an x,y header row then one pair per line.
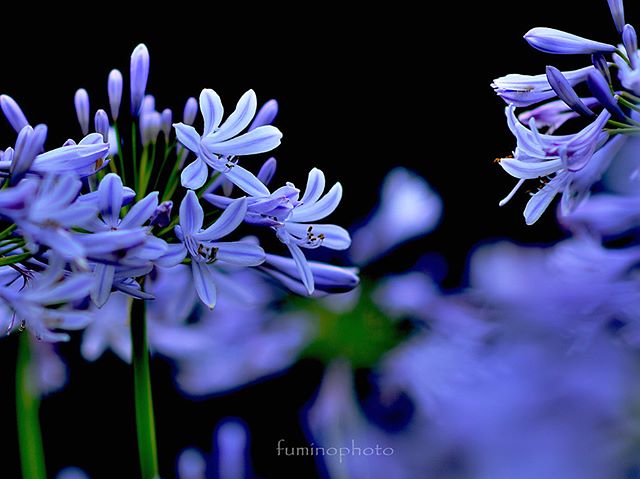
x,y
246,181
141,211
321,208
304,269
188,136
228,221
191,214
194,175
240,118
540,201
174,255
315,187
240,253
530,170
101,291
110,198
260,140
212,110
204,283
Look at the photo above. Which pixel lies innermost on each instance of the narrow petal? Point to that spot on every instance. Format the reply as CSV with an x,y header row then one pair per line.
x,y
211,109
228,221
246,181
315,186
140,212
101,291
260,140
530,170
194,175
188,136
174,255
240,253
321,208
110,198
331,236
204,283
240,118
304,269
191,214
540,201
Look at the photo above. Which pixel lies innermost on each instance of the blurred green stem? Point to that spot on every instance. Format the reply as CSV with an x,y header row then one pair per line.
x,y
145,424
27,414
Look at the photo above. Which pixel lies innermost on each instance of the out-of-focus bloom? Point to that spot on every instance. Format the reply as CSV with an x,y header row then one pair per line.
x,y
114,90
231,445
81,102
605,214
72,473
219,142
550,40
408,208
13,113
150,126
139,75
525,90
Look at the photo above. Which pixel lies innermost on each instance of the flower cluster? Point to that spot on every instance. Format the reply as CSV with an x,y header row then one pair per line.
x,y
571,164
93,221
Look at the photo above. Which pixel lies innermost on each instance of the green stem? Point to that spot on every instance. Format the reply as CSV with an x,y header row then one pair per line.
x,y
123,173
140,186
27,414
134,152
145,423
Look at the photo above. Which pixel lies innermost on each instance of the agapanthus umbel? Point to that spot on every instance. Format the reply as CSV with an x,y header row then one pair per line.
x,y
571,163
98,216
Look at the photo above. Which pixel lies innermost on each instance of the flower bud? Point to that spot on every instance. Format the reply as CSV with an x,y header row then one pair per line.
x,y
265,115
13,113
101,122
81,102
565,92
550,40
162,215
139,76
601,90
190,111
617,12
630,41
114,89
167,121
150,125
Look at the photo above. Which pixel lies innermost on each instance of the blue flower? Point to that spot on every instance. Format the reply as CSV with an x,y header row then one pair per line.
x,y
525,90
540,156
220,142
204,247
139,70
134,261
32,299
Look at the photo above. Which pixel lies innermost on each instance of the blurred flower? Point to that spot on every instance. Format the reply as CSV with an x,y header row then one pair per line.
x,y
408,208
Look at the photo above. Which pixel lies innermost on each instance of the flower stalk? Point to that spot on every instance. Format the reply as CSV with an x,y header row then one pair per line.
x,y
145,423
27,415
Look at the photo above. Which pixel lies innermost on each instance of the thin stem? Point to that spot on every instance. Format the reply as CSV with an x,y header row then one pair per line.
x,y
123,173
140,184
27,414
630,96
6,232
627,103
145,423
134,148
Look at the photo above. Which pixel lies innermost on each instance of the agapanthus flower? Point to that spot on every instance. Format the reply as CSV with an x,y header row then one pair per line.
x,y
550,40
29,300
539,156
204,248
219,143
526,90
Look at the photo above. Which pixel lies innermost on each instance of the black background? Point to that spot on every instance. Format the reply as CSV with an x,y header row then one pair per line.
x,y
359,93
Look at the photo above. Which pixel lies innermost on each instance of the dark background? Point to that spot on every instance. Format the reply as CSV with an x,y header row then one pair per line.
x,y
359,93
